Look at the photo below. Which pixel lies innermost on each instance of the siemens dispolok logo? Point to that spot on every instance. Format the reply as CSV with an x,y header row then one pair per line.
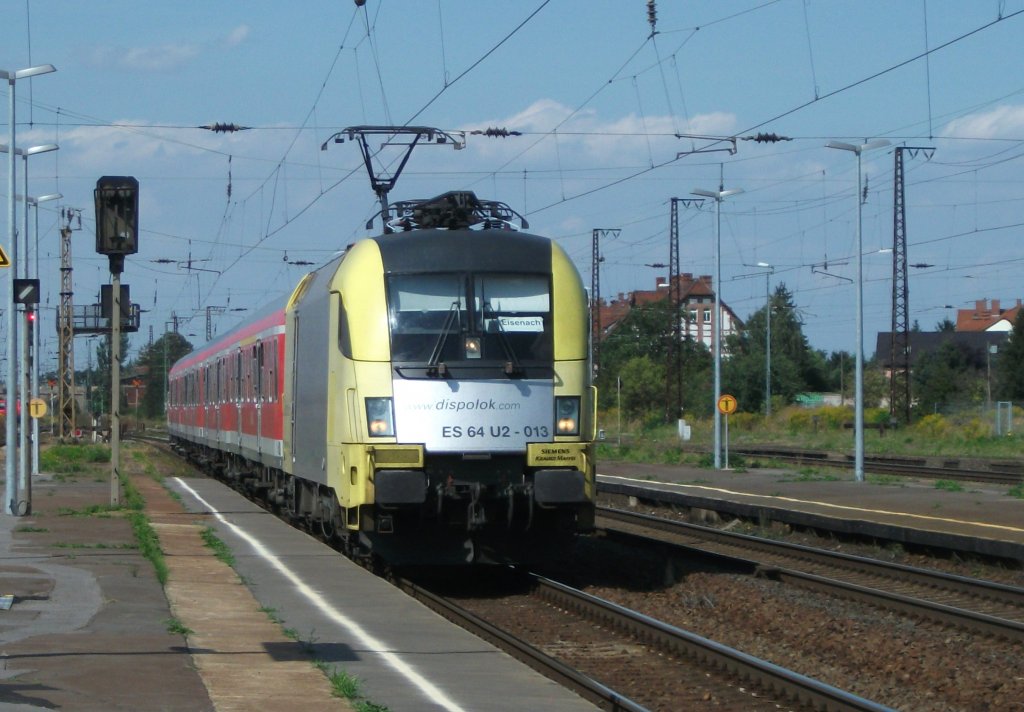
x,y
462,406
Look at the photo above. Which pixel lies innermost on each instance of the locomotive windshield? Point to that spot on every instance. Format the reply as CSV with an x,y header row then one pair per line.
x,y
470,319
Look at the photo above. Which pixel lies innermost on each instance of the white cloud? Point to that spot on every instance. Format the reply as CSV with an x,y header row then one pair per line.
x,y
146,59
1000,122
590,138
158,58
237,36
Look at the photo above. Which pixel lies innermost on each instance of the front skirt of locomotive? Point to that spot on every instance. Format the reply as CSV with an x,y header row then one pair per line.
x,y
477,508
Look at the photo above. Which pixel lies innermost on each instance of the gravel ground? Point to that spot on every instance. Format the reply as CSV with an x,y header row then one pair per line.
x,y
872,653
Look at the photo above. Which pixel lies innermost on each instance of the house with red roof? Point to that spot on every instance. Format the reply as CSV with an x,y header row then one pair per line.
x,y
697,300
987,317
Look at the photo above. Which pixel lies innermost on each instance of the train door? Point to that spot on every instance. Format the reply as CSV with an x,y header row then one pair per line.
x,y
258,396
295,380
219,398
237,410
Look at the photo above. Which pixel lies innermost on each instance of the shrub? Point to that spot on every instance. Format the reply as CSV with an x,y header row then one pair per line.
x,y
934,426
745,421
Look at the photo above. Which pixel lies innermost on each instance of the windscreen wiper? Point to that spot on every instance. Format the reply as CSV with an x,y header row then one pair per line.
x,y
434,365
512,365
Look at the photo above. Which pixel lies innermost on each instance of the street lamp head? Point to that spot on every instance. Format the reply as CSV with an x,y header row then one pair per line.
x,y
717,195
26,152
842,146
25,73
764,265
46,148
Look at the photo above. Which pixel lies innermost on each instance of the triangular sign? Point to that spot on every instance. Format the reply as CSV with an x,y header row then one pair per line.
x,y
5,261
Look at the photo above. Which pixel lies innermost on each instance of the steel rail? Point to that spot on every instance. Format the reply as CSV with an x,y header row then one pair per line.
x,y
988,591
584,686
997,472
778,680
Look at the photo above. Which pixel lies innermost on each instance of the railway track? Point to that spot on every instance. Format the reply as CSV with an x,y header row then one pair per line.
x,y
700,667
997,471
979,606
640,643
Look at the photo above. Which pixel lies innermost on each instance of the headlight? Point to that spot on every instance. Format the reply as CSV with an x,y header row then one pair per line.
x,y
567,415
380,419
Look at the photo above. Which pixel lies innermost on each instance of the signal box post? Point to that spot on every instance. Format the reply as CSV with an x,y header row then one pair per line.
x,y
117,235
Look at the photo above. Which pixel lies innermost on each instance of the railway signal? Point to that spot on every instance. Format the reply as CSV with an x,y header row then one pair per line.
x,y
117,235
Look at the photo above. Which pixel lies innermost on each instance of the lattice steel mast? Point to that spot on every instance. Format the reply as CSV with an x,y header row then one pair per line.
x,y
899,335
66,334
674,373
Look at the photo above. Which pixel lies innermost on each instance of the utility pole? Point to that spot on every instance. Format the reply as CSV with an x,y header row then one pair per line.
x,y
595,292
66,330
899,335
674,373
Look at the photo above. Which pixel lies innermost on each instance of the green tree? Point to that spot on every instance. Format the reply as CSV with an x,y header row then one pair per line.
x,y
946,377
157,358
795,367
838,369
642,386
1010,363
647,332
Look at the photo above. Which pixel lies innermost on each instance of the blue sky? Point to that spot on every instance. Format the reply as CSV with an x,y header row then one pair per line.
x,y
599,102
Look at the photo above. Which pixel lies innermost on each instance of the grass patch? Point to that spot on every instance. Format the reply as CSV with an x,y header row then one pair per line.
x,y
887,480
347,686
149,542
32,530
220,549
1017,491
177,627
949,485
271,614
811,475
344,684
93,510
72,459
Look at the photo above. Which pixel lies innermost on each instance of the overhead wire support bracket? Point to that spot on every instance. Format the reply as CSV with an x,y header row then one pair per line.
x,y
383,181
731,148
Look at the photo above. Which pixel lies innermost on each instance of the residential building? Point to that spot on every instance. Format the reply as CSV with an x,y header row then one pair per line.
x,y
697,307
987,317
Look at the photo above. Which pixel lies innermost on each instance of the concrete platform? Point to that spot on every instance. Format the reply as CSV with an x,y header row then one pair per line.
x,y
406,656
981,519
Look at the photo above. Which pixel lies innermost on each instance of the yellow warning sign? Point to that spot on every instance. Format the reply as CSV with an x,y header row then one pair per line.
x,y
37,408
727,404
5,261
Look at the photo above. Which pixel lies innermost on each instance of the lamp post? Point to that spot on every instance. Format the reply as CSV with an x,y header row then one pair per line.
x,y
767,338
35,331
10,500
858,405
29,337
718,196
25,348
